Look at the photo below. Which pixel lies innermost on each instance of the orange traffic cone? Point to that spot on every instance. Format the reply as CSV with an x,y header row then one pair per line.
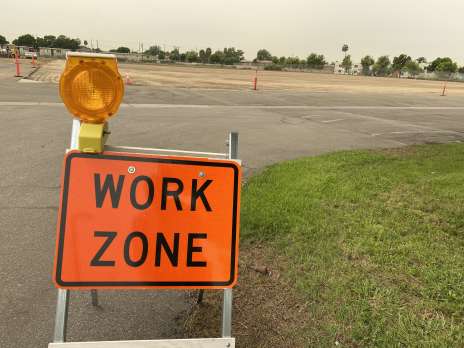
x,y
443,93
18,67
255,81
33,62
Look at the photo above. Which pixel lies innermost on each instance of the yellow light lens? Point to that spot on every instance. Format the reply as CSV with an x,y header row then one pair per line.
x,y
91,87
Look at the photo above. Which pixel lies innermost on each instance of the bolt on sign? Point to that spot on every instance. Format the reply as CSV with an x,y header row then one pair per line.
x,y
147,221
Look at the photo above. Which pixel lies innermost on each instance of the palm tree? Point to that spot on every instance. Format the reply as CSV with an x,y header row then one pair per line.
x,y
345,48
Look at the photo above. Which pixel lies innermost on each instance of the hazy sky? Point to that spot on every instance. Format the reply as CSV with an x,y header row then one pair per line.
x,y
427,28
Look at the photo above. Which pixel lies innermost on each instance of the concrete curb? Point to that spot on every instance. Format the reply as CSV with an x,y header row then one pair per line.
x,y
33,71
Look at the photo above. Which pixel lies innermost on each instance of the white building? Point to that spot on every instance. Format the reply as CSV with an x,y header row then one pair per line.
x,y
356,69
405,74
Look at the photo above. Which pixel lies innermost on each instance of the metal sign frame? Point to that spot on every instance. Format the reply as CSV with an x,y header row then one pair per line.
x,y
62,304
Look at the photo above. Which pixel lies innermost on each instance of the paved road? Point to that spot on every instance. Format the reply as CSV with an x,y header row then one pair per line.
x,y
8,68
273,126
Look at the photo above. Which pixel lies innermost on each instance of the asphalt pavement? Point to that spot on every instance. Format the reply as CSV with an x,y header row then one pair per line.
x,y
273,126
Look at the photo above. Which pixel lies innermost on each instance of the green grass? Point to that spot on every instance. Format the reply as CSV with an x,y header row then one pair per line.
x,y
374,242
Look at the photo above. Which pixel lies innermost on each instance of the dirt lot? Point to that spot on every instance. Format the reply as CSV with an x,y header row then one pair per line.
x,y
219,78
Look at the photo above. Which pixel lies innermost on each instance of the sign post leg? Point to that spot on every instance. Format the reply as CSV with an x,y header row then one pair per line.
x,y
200,296
233,154
61,317
233,145
94,295
74,145
227,313
76,125
62,302
227,296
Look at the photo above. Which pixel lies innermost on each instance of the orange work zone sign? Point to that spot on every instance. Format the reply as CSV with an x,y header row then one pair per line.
x,y
146,221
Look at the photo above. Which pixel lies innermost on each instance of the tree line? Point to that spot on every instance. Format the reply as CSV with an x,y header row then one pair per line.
x,y
60,41
382,66
227,56
313,61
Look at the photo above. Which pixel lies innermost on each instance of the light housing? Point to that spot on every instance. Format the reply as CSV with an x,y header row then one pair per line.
x,y
91,86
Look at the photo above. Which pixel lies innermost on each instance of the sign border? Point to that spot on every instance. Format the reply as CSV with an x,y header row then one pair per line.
x,y
147,284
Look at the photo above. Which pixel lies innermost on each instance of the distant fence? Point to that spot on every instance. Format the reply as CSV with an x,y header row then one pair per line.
x,y
457,77
52,52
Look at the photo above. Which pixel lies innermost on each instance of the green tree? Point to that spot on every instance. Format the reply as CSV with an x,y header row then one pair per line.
x,y
50,39
85,43
345,48
434,64
154,50
400,62
421,60
413,68
162,55
273,67
204,55
228,56
263,54
46,41
3,40
447,67
174,55
347,63
282,60
446,63
25,40
275,60
316,61
382,66
461,70
232,56
292,61
121,49
191,56
63,41
366,63
217,57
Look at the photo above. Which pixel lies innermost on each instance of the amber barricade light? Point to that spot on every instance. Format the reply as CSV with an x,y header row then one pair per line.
x,y
92,90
